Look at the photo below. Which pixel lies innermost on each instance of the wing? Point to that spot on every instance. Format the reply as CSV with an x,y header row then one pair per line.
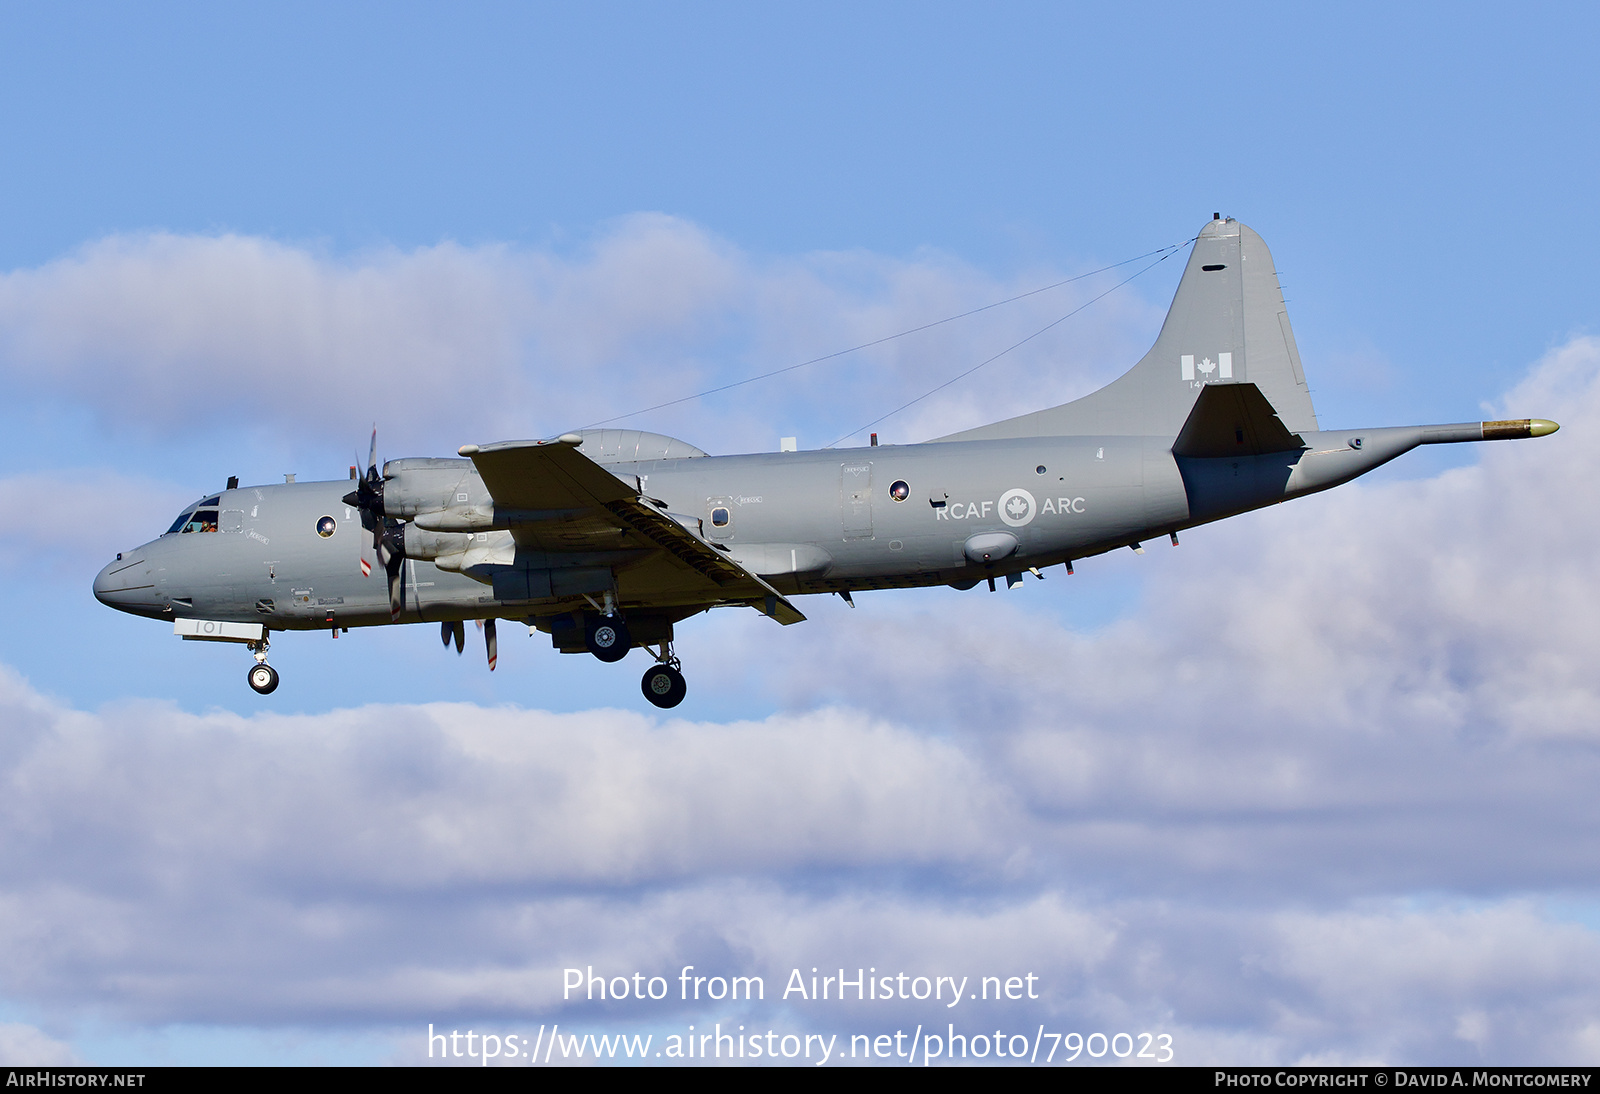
x,y
565,510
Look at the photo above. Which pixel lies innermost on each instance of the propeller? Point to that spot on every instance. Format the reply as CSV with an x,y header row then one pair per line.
x,y
387,536
457,632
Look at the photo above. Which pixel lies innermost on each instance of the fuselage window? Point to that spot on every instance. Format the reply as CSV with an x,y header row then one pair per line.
x,y
325,527
720,517
900,491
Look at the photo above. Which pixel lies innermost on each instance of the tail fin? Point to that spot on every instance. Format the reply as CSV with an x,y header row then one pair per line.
x,y
1227,323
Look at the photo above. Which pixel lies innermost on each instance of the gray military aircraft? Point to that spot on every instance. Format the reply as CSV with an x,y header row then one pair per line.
x,y
606,539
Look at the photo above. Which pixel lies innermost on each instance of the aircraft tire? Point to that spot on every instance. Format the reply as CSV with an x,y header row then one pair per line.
x,y
607,638
664,686
263,678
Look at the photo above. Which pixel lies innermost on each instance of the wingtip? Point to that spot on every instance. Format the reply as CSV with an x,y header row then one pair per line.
x,y
467,450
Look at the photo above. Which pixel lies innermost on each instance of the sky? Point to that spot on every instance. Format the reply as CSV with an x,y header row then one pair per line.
x,y
1314,787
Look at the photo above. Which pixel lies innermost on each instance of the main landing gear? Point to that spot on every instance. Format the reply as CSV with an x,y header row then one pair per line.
x,y
263,677
607,637
663,684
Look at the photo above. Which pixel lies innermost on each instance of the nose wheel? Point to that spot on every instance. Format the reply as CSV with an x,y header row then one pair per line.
x,y
263,678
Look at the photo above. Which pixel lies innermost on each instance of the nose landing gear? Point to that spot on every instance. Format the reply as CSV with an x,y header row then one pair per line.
x,y
263,678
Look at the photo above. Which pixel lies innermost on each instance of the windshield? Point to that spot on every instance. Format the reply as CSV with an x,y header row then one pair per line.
x,y
201,517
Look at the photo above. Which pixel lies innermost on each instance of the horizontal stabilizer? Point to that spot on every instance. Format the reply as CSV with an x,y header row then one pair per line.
x,y
1233,420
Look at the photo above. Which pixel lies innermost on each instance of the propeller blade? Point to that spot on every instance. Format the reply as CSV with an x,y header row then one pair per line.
x,y
397,587
444,634
368,494
389,550
490,643
459,630
388,544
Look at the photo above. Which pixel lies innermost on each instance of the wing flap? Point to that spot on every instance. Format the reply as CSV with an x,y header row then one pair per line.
x,y
695,553
673,538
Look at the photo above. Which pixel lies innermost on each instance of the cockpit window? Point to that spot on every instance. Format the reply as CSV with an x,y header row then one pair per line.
x,y
199,517
201,520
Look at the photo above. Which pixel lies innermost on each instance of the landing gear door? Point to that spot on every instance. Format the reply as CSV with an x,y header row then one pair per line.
x,y
855,500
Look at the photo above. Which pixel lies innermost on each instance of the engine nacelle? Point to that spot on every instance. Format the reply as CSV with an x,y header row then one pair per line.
x,y
426,485
475,554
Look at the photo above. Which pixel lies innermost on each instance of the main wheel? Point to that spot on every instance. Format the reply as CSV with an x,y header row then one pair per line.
x,y
263,678
663,685
607,638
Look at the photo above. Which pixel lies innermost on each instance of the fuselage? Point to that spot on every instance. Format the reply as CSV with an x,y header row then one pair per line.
x,y
291,555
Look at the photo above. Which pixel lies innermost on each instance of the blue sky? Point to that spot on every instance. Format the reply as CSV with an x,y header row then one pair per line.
x,y
1312,787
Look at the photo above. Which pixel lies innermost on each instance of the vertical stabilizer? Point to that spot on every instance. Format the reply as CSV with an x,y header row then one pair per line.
x,y
1227,324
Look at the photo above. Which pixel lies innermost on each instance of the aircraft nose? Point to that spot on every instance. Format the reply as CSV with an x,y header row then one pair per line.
x,y
106,586
122,583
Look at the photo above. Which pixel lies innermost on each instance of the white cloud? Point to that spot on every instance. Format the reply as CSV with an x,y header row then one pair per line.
x,y
450,794
28,1046
365,861
198,335
1516,985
